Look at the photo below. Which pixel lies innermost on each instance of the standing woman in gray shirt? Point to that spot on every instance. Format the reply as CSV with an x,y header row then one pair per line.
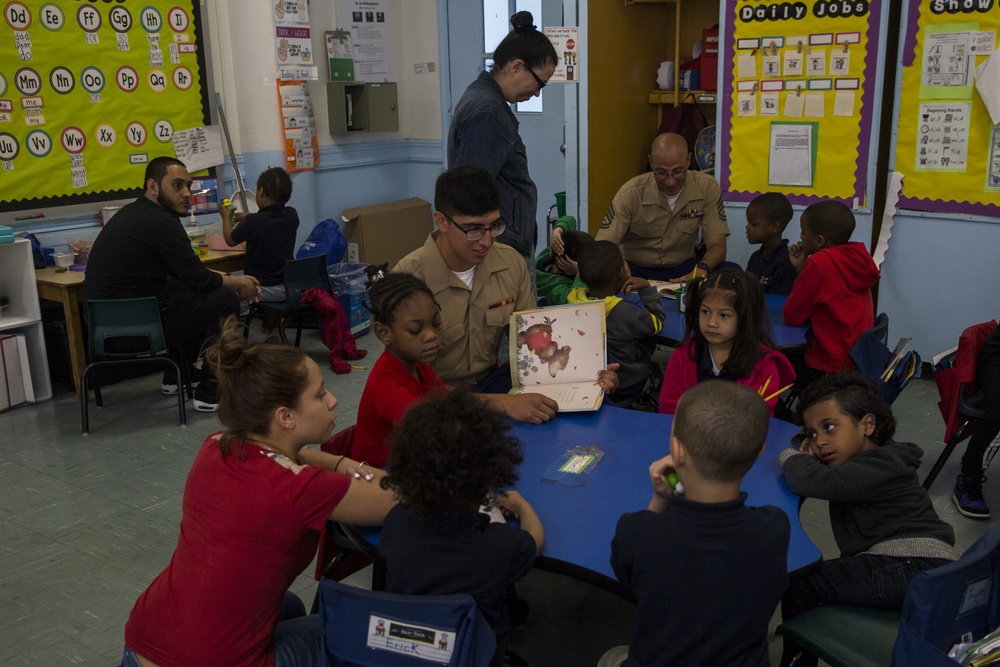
x,y
484,130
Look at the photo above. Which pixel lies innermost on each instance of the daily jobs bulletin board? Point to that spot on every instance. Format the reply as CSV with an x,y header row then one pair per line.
x,y
800,77
90,92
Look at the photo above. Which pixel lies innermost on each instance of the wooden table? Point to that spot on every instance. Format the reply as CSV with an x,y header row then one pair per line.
x,y
67,289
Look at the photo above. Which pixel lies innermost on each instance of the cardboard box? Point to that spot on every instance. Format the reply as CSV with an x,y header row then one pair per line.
x,y
385,233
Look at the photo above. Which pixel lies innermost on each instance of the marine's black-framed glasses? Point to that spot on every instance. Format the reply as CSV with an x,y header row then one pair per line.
x,y
496,228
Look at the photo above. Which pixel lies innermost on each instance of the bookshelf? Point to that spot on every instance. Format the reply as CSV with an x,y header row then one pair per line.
x,y
23,312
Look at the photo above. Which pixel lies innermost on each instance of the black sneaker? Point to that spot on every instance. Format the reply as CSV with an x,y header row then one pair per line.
x,y
206,398
968,497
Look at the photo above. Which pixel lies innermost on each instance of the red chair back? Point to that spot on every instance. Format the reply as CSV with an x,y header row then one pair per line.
x,y
950,380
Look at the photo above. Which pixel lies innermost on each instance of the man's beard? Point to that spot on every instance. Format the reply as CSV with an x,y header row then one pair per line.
x,y
162,200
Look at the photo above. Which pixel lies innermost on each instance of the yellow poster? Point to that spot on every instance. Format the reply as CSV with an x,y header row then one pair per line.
x,y
948,147
90,92
799,77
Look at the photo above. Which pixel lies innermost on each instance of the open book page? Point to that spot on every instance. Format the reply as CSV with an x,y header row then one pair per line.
x,y
665,288
562,347
575,397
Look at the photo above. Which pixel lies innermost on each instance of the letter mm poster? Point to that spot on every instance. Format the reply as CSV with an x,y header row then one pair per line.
x,y
799,80
90,92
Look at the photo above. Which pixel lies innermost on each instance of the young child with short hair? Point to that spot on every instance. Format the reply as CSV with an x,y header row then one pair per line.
x,y
882,519
707,571
833,290
269,233
449,455
603,270
726,337
557,272
767,217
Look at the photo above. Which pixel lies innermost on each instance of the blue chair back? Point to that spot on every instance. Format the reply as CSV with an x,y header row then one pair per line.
x,y
303,274
944,603
132,319
871,355
369,628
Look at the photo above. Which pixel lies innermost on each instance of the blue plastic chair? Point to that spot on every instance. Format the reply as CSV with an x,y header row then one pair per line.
x,y
947,602
941,605
124,331
300,275
871,355
369,628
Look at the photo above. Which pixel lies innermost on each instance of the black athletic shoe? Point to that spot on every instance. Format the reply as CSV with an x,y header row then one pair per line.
x,y
206,396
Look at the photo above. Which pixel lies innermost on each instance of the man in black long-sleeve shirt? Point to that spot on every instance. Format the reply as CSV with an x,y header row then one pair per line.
x,y
144,245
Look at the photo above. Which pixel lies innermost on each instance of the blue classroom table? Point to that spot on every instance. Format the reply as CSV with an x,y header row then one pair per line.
x,y
785,336
580,521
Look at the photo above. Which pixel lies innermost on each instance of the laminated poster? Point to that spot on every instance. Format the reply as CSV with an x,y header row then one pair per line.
x,y
947,149
90,93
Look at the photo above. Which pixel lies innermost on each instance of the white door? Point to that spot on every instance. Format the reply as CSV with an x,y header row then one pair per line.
x,y
542,132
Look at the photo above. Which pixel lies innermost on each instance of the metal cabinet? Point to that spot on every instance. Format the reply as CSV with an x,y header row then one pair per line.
x,y
362,107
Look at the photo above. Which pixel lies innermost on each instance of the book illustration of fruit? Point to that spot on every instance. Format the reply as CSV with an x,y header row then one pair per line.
x,y
537,338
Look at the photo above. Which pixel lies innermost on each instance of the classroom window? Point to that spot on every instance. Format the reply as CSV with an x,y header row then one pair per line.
x,y
496,25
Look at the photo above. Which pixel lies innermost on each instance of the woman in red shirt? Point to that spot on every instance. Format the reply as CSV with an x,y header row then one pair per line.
x,y
254,504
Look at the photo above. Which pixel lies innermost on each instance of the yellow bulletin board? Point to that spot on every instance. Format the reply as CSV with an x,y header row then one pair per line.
x,y
947,147
800,80
90,92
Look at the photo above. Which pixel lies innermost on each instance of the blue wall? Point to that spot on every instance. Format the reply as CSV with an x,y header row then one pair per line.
x,y
940,275
356,174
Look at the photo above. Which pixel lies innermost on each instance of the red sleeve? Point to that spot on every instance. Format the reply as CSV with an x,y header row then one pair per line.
x,y
675,379
311,493
767,369
383,405
394,401
799,306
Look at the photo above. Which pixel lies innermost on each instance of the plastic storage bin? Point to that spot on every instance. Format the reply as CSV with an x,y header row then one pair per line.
x,y
348,281
64,258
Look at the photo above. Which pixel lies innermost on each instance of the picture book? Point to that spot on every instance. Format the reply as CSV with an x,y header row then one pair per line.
x,y
665,288
557,352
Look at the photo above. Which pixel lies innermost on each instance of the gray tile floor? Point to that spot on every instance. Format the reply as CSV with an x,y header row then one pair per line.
x,y
87,522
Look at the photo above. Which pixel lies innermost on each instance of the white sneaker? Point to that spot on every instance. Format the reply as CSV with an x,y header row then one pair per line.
x,y
202,406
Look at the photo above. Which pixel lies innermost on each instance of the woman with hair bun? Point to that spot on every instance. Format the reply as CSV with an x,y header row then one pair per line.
x,y
254,504
484,130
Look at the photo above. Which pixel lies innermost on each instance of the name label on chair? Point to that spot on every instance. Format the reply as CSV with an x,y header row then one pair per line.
x,y
977,594
419,641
